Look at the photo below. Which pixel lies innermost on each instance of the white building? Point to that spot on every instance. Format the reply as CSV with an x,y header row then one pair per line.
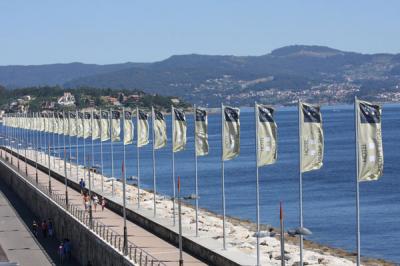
x,y
67,99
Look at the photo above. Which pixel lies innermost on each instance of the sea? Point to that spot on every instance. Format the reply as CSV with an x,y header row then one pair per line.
x,y
329,194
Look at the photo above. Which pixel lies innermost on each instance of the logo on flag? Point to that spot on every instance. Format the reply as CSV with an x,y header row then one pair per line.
x,y
231,134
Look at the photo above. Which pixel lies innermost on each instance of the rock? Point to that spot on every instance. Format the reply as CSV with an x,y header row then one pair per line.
x,y
264,243
320,260
280,258
246,245
297,263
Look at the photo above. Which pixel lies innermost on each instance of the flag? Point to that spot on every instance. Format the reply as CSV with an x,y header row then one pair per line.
x,y
105,126
266,135
160,130
95,125
128,128
231,137
115,126
369,139
60,129
72,124
79,128
66,123
311,137
201,135
51,123
42,122
86,125
179,133
142,129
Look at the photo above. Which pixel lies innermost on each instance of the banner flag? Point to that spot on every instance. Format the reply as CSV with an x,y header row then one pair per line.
x,y
86,125
72,124
369,139
201,133
128,128
266,135
115,126
231,137
312,137
160,130
60,123
105,126
79,128
142,129
179,133
96,125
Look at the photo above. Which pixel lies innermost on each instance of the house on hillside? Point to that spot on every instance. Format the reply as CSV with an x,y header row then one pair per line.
x,y
111,100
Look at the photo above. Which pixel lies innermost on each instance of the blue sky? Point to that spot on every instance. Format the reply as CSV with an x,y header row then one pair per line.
x,y
103,32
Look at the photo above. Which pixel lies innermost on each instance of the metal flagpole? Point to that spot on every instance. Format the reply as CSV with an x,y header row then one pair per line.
x,y
138,157
257,186
91,131
26,133
125,246
70,147
101,153
37,147
173,165
58,141
223,177
154,164
65,165
300,183
112,156
54,142
196,180
45,139
356,117
77,145
84,148
282,234
49,170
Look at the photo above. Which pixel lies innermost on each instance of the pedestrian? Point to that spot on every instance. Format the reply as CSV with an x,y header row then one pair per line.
x,y
35,228
82,185
50,227
61,252
44,228
67,248
103,203
95,202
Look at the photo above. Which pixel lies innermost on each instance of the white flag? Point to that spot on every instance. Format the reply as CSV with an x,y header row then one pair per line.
x,y
105,126
87,125
231,137
115,126
72,124
312,137
369,139
201,135
128,128
266,135
79,128
160,130
179,134
142,129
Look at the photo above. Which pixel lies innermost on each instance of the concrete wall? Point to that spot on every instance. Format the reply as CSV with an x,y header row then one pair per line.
x,y
86,246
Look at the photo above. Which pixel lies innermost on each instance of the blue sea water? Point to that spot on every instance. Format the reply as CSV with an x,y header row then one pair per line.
x,y
328,193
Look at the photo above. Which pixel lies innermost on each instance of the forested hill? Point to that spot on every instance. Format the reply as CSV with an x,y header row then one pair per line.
x,y
310,72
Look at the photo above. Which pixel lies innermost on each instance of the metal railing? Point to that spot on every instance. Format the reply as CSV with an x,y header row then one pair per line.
x,y
135,253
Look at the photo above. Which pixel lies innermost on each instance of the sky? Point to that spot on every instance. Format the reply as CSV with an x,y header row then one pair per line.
x,y
105,32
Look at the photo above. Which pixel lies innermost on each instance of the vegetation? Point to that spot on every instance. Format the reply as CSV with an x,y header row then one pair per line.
x,y
85,97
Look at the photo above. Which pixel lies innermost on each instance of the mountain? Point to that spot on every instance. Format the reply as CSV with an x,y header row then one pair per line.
x,y
316,73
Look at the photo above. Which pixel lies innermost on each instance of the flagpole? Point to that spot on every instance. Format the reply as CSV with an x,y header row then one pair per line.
x,y
65,165
196,177
69,143
356,117
37,147
54,142
58,140
125,246
101,151
154,164
112,156
223,177
173,164
84,147
257,186
91,131
77,144
300,183
137,157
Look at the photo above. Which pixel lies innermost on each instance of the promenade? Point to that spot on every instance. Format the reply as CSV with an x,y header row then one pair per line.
x,y
155,246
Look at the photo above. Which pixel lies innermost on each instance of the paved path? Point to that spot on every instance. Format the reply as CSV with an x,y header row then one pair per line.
x,y
152,244
16,239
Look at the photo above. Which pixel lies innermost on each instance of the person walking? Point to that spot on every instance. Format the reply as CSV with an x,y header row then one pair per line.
x,y
61,252
103,203
35,228
44,228
95,202
50,227
82,185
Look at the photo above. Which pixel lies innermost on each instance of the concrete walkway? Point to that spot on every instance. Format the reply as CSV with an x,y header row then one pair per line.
x,y
152,244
